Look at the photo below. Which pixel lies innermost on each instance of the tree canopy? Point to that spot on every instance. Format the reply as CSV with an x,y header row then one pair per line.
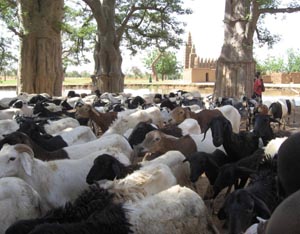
x,y
166,65
279,64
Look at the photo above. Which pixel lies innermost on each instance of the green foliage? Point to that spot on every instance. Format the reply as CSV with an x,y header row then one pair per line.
x,y
167,64
293,61
8,21
152,23
9,13
273,64
79,31
264,36
7,58
77,74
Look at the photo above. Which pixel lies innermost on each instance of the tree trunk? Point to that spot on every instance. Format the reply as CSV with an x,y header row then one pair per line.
x,y
40,58
153,68
107,55
236,66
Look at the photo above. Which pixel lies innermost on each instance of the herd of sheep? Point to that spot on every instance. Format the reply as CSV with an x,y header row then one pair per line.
x,y
108,163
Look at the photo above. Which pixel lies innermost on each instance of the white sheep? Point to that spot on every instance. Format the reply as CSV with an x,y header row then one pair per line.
x,y
122,124
190,126
18,200
56,126
175,210
174,160
9,113
149,180
57,181
77,135
206,144
104,142
8,126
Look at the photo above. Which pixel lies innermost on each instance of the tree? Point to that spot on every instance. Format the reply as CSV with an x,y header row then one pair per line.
x,y
163,63
78,34
293,61
39,27
6,56
135,72
40,63
141,24
236,65
271,64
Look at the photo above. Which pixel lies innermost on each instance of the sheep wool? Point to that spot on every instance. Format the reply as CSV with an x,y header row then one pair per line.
x,y
175,210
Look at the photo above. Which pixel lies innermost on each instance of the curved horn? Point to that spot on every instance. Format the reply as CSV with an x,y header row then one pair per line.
x,y
21,148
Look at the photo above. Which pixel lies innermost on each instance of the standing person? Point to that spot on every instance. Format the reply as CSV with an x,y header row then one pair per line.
x,y
258,87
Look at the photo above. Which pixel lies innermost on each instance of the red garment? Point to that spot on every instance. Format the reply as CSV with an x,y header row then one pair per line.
x,y
257,88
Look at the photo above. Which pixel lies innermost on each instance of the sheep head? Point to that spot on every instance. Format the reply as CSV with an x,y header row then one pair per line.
x,y
179,114
83,111
14,159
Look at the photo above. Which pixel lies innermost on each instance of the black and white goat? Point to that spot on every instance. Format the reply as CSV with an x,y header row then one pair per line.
x,y
236,145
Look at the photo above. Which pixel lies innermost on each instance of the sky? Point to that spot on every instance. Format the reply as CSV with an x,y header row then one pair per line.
x,y
206,27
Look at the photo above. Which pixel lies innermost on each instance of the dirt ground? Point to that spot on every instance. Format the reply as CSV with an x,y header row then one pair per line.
x,y
202,184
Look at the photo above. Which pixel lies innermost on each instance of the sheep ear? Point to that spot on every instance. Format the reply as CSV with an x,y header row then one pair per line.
x,y
261,208
26,157
26,161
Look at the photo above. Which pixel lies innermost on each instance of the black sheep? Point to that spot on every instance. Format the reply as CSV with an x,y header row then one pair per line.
x,y
230,174
289,165
91,212
108,167
139,132
142,128
39,152
242,206
111,219
285,218
35,133
237,146
202,162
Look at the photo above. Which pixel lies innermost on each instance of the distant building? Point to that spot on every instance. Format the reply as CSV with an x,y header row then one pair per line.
x,y
197,69
282,78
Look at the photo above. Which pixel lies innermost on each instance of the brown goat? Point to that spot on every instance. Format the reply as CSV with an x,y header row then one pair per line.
x,y
158,143
179,114
103,120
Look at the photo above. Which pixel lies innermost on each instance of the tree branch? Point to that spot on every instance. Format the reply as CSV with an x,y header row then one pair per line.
x,y
279,10
96,7
15,31
133,9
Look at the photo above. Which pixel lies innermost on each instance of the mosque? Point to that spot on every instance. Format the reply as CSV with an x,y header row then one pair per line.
x,y
197,69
